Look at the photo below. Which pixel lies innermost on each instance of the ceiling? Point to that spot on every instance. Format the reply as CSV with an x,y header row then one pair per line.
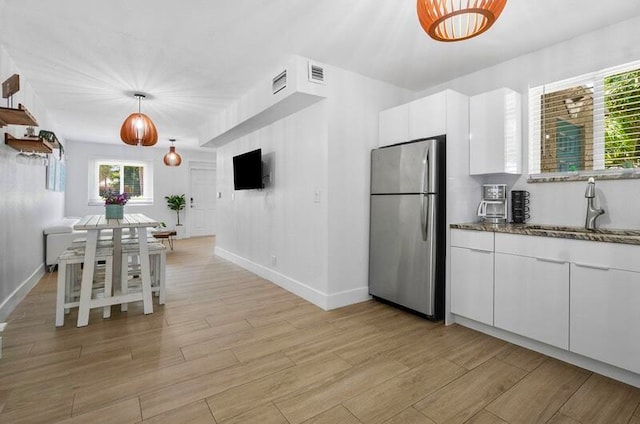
x,y
85,58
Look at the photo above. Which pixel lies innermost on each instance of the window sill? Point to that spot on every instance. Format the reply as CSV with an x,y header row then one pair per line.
x,y
562,177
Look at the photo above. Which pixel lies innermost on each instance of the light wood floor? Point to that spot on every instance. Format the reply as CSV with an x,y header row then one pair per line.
x,y
230,347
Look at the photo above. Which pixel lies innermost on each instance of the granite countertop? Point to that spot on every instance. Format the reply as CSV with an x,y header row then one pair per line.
x,y
576,233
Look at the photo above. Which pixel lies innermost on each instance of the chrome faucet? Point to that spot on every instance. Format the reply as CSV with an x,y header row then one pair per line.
x,y
592,211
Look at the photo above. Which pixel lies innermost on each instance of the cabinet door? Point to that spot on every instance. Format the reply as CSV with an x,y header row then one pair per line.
x,y
394,125
532,298
428,116
495,133
605,315
472,284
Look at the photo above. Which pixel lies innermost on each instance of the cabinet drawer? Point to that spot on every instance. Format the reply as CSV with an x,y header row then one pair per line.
x,y
479,240
534,246
593,253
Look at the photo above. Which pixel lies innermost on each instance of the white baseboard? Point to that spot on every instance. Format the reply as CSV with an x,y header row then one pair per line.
x,y
607,370
10,303
347,297
318,298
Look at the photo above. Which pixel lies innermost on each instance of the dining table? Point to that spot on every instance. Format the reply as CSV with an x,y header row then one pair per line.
x,y
93,225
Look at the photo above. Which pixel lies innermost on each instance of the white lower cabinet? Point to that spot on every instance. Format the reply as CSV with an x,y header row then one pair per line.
x,y
576,295
532,298
605,315
472,283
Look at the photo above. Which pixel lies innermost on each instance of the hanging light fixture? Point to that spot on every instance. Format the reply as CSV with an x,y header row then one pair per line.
x,y
172,158
456,20
138,129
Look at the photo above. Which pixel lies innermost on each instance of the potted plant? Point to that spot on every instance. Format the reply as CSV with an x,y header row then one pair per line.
x,y
177,202
114,205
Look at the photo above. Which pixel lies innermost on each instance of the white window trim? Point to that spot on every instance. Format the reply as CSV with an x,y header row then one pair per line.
x,y
93,176
596,80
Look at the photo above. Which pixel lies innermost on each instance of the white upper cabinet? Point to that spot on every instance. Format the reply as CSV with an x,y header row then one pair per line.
x,y
495,144
394,125
426,117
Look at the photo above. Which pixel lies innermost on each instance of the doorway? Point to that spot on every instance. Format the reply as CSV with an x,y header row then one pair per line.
x,y
202,199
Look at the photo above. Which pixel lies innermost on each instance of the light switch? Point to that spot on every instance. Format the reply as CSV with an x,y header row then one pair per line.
x,y
316,196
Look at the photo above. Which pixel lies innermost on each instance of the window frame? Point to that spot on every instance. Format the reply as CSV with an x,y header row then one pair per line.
x,y
94,180
596,81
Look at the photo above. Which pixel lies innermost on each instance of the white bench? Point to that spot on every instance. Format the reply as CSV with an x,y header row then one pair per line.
x,y
102,294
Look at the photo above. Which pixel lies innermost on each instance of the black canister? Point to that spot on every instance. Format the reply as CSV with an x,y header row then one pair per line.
x,y
519,206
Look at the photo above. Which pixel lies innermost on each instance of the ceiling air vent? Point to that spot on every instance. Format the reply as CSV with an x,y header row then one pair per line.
x,y
279,82
316,73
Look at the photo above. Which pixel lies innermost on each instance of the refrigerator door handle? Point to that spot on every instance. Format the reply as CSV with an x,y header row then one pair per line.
x,y
424,201
424,215
424,186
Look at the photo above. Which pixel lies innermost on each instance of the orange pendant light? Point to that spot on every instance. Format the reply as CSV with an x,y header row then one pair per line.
x,y
456,20
138,129
172,158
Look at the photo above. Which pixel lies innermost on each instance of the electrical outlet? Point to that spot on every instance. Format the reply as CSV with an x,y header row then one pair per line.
x,y
274,260
316,196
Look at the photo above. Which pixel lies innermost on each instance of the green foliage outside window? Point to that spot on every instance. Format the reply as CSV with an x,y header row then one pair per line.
x,y
622,120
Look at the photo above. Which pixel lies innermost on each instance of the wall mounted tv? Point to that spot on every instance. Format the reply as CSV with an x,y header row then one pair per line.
x,y
247,170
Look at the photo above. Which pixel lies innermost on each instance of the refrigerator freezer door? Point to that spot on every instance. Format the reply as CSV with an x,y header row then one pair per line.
x,y
401,169
401,264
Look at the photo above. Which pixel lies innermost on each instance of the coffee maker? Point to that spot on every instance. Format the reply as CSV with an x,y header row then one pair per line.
x,y
493,206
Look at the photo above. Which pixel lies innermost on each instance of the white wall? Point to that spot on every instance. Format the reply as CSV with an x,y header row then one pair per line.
x,y
281,220
26,207
167,180
321,248
354,106
563,203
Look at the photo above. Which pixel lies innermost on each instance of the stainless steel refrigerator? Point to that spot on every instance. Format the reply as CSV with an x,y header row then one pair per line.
x,y
407,227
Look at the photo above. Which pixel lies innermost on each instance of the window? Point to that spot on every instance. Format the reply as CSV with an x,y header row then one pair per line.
x,y
588,124
135,178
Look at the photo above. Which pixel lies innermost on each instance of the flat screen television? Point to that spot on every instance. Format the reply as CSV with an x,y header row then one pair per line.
x,y
247,170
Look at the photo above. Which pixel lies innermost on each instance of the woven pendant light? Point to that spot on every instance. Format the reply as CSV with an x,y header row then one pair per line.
x,y
138,129
456,20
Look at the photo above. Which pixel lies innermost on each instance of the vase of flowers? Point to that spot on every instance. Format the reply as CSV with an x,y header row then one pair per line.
x,y
114,205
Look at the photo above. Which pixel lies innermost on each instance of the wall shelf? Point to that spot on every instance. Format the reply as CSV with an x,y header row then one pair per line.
x,y
20,116
37,145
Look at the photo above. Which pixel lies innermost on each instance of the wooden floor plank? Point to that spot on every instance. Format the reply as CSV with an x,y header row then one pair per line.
x,y
464,397
520,357
124,412
176,395
409,416
241,399
264,414
602,400
338,414
333,391
538,396
485,417
194,413
106,392
387,399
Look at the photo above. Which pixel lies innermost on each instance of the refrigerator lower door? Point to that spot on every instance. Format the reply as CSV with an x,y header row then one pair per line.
x,y
401,261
